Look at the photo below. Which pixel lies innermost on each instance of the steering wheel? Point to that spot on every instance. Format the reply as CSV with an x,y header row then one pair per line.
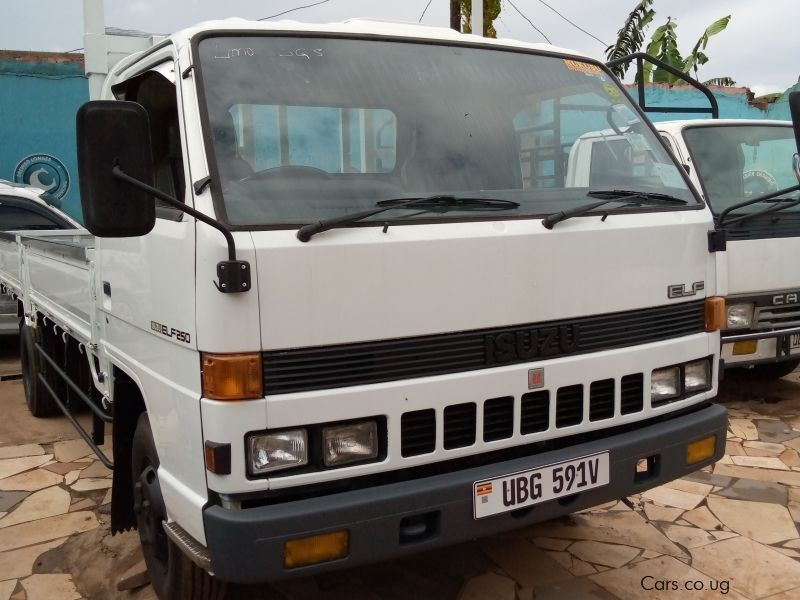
x,y
287,171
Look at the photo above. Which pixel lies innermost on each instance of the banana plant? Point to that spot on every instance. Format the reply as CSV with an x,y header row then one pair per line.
x,y
664,46
631,37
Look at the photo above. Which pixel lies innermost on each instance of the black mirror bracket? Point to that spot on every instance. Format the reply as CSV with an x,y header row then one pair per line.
x,y
234,275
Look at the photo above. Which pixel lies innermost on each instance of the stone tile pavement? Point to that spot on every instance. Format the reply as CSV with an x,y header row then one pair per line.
x,y
728,530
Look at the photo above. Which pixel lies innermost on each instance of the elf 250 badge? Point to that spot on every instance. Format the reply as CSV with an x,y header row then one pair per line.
x,y
171,332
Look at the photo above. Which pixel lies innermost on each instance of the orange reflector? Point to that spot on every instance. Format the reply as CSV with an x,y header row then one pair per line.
x,y
745,347
232,376
316,549
715,314
701,450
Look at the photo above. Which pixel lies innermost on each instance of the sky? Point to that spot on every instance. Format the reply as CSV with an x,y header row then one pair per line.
x,y
759,49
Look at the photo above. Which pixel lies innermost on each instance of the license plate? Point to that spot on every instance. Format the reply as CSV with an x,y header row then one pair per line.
x,y
525,488
795,341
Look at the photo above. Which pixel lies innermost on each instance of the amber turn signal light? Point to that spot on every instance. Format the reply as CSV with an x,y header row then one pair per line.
x,y
701,450
232,376
316,549
715,314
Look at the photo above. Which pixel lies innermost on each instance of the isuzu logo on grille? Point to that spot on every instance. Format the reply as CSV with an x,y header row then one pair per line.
x,y
790,298
531,343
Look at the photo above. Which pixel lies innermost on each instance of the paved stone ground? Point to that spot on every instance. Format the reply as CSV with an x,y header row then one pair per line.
x,y
730,530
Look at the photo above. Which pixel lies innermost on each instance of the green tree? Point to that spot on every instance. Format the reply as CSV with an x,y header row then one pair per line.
x,y
663,44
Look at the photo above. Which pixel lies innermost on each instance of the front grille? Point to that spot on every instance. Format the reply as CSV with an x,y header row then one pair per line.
x,y
773,317
418,428
327,367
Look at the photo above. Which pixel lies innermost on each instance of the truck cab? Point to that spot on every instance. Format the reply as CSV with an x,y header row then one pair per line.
x,y
731,161
346,304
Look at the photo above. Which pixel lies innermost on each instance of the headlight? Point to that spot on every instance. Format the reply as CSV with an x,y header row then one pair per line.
x,y
343,444
739,316
665,383
275,451
697,376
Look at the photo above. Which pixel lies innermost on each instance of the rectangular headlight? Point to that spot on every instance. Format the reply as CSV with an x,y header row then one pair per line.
x,y
665,383
343,444
697,375
275,451
739,316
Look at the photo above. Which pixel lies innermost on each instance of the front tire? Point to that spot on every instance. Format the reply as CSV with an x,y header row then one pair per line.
x,y
770,371
38,399
172,575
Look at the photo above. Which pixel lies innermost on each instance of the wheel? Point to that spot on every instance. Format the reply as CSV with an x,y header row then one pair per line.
x,y
38,399
172,575
774,370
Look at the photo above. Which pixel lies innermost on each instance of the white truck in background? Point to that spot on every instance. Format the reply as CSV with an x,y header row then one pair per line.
x,y
747,171
340,304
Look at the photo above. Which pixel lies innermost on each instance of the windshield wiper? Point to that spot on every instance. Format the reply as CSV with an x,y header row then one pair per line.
x,y
436,203
780,205
607,196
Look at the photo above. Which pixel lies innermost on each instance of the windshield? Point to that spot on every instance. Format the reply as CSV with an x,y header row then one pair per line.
x,y
739,162
304,129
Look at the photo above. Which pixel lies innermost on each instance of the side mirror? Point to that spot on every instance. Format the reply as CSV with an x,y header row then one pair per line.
x,y
794,107
115,133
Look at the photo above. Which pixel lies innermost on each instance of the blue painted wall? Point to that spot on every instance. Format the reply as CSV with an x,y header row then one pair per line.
x,y
39,96
733,103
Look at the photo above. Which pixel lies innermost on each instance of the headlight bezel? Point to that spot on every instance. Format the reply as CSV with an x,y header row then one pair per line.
x,y
673,371
684,391
744,311
370,424
252,438
709,370
315,447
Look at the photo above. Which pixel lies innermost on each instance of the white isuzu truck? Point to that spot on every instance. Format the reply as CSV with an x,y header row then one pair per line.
x,y
339,303
747,171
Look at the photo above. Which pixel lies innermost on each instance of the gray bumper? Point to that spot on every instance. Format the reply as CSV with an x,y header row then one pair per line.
x,y
246,546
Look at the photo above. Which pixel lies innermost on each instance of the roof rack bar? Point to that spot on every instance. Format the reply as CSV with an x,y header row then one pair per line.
x,y
641,58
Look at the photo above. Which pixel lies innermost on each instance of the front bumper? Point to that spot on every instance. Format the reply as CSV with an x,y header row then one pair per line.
x,y
246,546
772,346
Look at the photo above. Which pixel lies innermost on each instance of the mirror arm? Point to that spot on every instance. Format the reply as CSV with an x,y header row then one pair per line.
x,y
769,196
234,275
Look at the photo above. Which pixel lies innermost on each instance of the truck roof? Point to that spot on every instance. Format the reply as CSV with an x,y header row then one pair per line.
x,y
676,126
355,27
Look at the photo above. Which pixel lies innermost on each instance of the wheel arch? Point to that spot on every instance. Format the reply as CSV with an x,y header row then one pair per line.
x,y
129,403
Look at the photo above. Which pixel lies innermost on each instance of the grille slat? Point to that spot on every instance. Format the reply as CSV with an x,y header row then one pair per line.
x,y
569,405
418,432
498,419
535,412
601,400
459,425
341,365
632,394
